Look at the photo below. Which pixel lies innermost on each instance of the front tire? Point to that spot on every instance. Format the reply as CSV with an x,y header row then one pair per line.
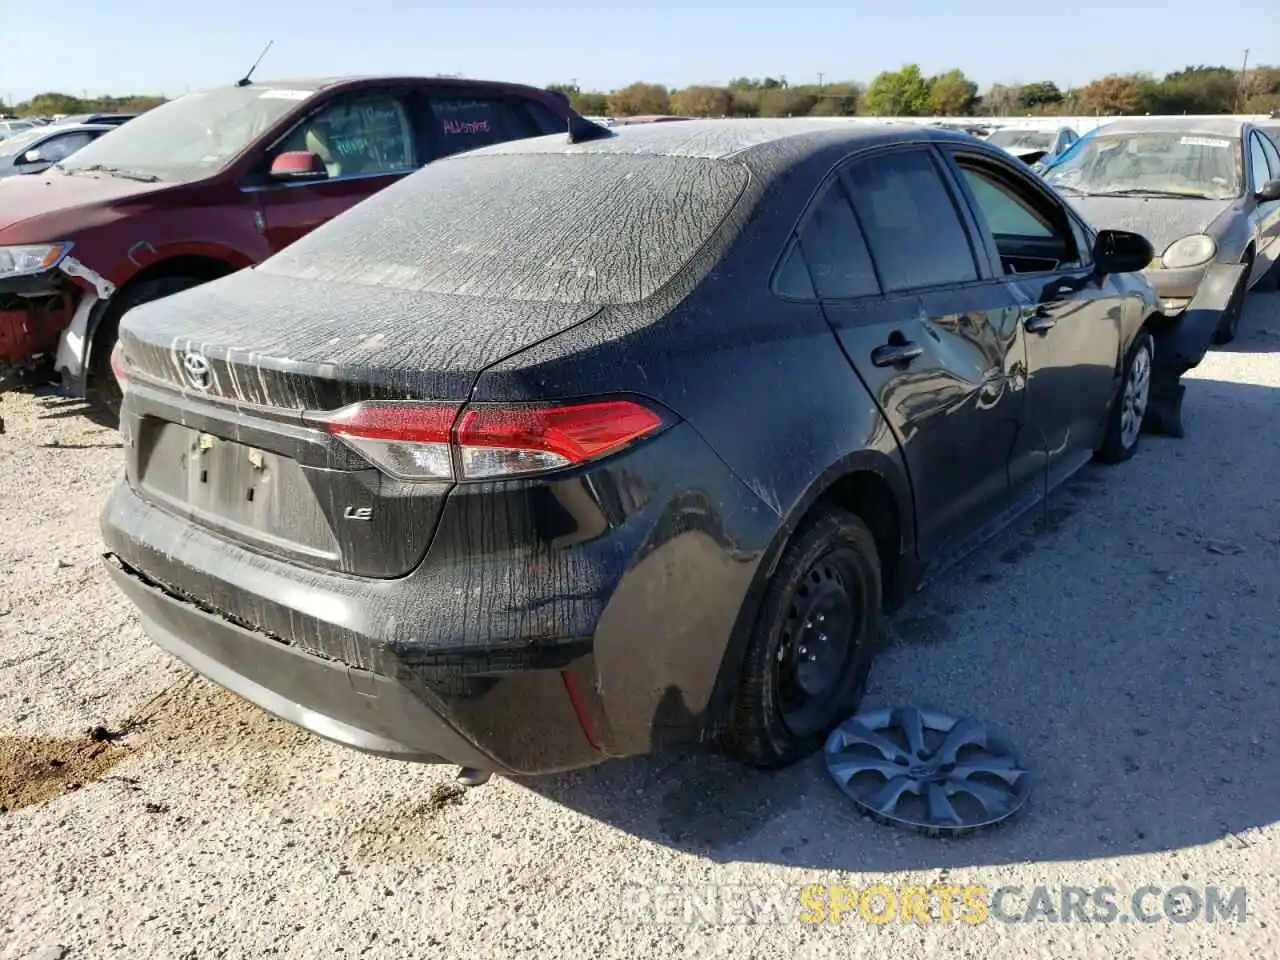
x,y
1229,323
1124,422
101,388
813,642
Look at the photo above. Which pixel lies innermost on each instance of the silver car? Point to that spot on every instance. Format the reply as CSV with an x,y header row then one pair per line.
x,y
35,150
1205,192
1031,145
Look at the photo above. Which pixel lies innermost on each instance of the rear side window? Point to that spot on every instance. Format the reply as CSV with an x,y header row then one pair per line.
x,y
460,122
834,249
580,228
911,224
546,121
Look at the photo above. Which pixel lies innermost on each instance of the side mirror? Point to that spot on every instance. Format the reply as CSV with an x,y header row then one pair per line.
x,y
1270,191
1119,251
33,156
298,165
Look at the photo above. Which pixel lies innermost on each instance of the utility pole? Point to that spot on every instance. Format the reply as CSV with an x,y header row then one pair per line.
x,y
1244,67
820,76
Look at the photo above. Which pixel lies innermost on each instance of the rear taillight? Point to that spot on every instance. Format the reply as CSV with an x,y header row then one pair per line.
x,y
410,440
117,367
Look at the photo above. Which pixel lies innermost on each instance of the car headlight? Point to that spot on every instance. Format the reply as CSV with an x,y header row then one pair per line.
x,y
21,261
1189,251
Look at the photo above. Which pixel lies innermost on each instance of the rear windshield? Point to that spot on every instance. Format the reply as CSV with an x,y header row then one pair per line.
x,y
562,228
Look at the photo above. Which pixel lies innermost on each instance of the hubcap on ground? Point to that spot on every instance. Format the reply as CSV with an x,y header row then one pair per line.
x,y
926,769
817,641
1137,389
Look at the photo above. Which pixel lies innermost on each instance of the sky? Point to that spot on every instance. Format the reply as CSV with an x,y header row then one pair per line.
x,y
163,47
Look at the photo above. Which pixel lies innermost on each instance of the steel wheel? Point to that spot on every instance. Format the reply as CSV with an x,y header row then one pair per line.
x,y
817,644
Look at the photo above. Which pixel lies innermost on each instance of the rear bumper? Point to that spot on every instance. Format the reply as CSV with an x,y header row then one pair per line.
x,y
356,708
603,636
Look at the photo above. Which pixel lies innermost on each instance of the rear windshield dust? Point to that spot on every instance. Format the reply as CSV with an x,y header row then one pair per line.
x,y
559,228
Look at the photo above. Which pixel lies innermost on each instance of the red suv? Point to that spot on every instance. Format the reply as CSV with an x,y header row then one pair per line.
x,y
212,182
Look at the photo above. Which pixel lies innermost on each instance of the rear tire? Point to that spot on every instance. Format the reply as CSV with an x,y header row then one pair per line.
x,y
811,648
101,388
1124,422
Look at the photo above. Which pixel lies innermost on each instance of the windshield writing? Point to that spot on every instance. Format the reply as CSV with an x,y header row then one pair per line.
x,y
1183,164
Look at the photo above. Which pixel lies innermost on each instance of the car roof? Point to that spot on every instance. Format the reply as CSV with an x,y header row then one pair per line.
x,y
723,139
1213,126
324,83
61,128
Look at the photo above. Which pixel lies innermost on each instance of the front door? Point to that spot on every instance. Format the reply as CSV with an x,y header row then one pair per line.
x,y
1072,319
365,140
1264,166
935,342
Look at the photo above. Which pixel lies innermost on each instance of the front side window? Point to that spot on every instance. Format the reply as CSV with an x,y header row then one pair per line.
x,y
1030,235
910,221
357,135
1259,172
1273,155
1152,164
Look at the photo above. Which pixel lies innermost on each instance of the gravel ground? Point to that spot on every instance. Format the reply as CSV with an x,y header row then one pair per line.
x,y
1126,639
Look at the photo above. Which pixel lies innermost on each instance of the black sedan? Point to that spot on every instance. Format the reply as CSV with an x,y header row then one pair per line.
x,y
560,450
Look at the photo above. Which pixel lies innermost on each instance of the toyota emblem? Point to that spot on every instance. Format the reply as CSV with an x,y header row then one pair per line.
x,y
197,370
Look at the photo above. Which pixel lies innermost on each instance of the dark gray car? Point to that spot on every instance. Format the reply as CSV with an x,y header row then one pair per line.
x,y
1205,192
34,151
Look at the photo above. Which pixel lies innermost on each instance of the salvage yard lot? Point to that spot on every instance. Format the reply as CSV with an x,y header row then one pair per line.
x,y
1125,638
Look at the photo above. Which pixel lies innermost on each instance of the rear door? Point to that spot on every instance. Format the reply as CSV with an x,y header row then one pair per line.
x,y
1073,320
366,140
929,331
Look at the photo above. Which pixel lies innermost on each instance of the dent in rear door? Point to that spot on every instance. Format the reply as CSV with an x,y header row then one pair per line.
x,y
941,363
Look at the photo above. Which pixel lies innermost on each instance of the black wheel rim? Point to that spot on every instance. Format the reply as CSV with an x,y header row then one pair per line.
x,y
817,646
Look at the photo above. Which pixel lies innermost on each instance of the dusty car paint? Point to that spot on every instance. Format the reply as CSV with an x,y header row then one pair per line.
x,y
1239,226
127,232
554,622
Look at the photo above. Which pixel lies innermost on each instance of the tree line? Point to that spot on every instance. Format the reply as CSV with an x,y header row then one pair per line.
x,y
909,92
902,93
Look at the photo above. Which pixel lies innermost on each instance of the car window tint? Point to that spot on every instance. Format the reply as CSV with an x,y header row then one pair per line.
x,y
1005,212
793,278
912,227
834,248
461,122
547,121
357,135
1259,172
1273,156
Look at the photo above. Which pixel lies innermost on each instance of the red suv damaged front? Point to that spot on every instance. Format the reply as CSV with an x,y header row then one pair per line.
x,y
212,182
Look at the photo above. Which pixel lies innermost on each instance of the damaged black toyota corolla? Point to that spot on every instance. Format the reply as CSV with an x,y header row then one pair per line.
x,y
560,451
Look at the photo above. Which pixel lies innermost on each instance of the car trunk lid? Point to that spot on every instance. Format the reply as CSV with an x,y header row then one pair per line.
x,y
227,379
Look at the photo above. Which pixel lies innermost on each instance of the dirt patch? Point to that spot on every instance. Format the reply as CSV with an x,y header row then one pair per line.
x,y
36,769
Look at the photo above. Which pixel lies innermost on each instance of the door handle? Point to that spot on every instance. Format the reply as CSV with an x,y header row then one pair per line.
x,y
892,354
1037,319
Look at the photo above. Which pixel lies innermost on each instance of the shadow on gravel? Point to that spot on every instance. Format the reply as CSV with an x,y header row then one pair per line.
x,y
1124,639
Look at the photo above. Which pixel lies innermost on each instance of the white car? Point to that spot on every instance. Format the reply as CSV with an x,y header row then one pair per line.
x,y
9,127
1030,144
